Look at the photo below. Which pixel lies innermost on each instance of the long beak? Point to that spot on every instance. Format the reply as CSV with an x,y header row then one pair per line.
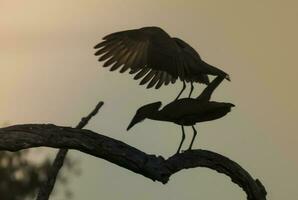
x,y
228,77
132,123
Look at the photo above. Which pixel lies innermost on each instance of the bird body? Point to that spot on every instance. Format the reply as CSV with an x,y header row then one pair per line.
x,y
186,111
156,57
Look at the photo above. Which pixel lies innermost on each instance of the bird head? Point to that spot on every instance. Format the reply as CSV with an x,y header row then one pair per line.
x,y
228,106
143,113
227,77
224,75
210,69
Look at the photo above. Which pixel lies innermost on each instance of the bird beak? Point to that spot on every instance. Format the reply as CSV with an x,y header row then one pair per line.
x,y
228,77
134,121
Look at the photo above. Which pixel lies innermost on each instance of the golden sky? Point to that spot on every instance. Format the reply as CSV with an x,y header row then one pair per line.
x,y
49,75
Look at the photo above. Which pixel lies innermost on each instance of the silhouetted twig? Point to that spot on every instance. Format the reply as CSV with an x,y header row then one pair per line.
x,y
19,137
48,186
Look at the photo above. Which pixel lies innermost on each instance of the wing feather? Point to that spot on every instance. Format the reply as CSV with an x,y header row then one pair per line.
x,y
116,66
154,80
122,58
135,70
124,61
167,79
104,43
139,61
161,80
127,61
109,47
173,80
119,62
131,60
142,73
109,62
148,77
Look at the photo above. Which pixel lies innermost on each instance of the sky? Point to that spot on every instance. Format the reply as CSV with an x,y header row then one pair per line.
x,y
49,74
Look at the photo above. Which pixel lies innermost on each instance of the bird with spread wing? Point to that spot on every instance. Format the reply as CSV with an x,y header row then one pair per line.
x,y
155,57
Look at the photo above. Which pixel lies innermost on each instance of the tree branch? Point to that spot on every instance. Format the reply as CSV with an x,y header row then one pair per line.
x,y
48,186
19,137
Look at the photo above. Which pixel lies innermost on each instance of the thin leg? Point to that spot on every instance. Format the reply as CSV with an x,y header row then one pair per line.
x,y
183,88
183,137
193,138
191,89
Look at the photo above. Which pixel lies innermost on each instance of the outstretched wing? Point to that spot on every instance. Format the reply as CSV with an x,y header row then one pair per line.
x,y
149,52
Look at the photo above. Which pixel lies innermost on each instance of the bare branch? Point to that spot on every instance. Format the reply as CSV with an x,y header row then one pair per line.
x,y
48,186
19,137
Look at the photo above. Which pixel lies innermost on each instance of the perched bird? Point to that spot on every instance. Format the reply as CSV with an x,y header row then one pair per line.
x,y
156,57
186,111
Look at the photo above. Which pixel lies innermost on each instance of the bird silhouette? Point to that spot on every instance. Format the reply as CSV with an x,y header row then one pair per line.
x,y
156,57
186,111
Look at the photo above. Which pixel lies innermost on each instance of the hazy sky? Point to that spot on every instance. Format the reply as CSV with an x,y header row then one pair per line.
x,y
50,75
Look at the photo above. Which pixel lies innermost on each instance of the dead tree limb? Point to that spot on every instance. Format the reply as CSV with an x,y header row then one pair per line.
x,y
19,137
48,186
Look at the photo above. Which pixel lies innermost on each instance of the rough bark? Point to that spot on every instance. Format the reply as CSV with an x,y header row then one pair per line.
x,y
19,137
48,186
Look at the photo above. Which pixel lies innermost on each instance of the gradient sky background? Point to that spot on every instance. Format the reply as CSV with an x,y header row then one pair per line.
x,y
50,75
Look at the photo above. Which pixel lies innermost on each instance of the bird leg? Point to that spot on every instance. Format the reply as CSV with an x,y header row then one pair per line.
x,y
183,137
193,138
183,88
191,89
